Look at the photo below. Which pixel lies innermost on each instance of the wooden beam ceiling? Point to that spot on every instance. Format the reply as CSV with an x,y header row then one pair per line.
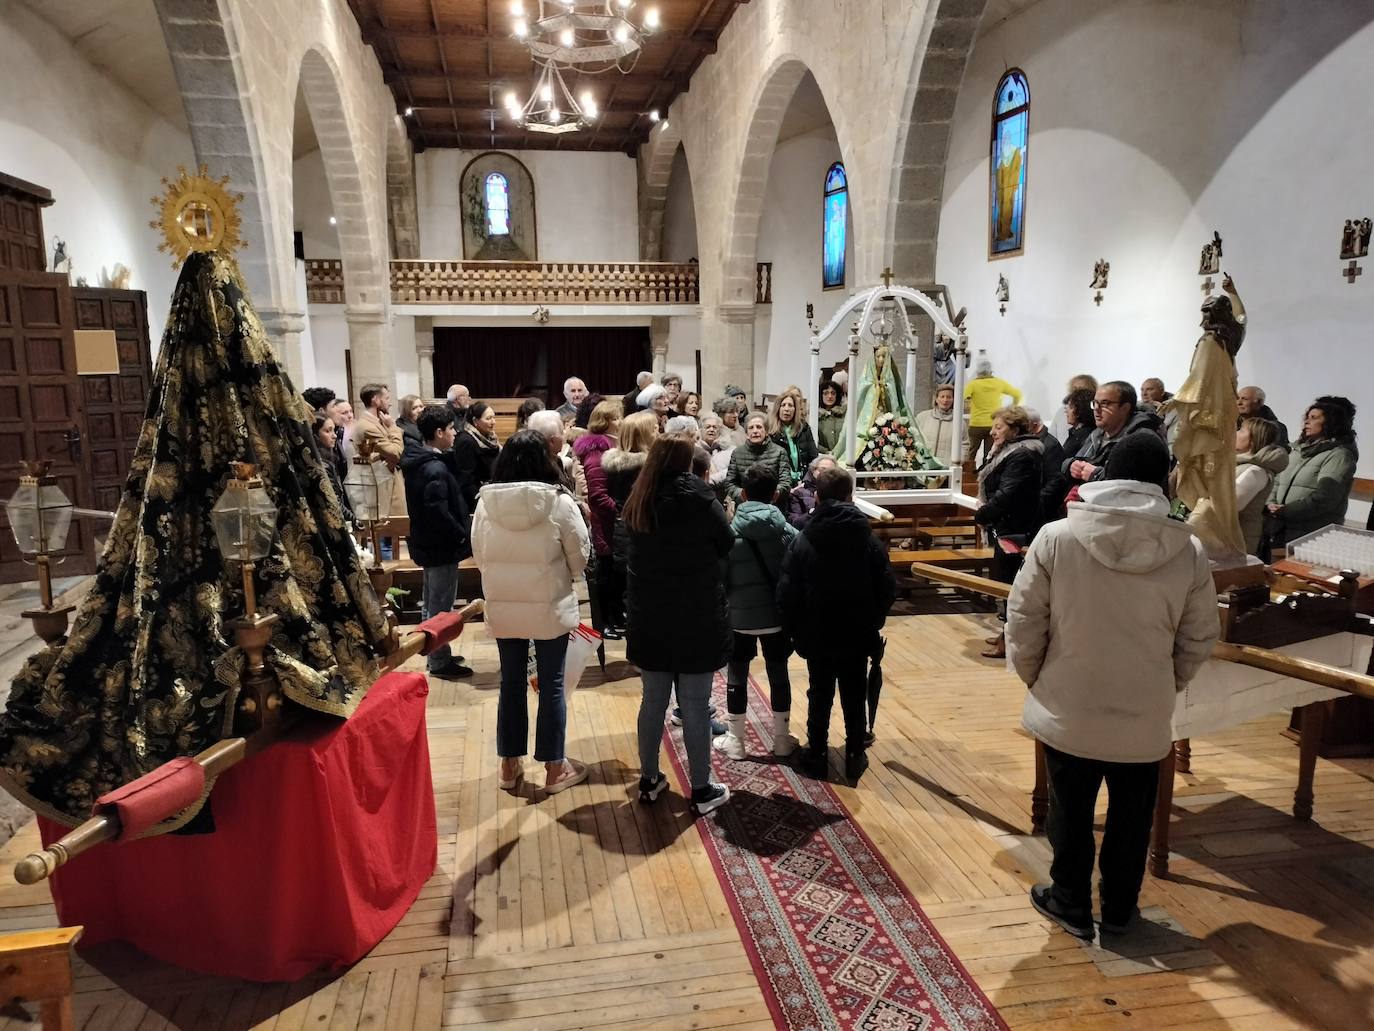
x,y
451,62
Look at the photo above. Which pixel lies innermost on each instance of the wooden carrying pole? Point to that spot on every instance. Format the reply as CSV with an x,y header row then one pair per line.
x,y
215,760
1242,654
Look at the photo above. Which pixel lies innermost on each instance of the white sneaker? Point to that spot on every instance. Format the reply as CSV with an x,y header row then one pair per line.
x,y
784,745
730,745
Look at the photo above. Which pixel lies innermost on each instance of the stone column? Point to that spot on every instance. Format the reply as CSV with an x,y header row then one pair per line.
x,y
658,343
424,354
284,329
369,348
727,341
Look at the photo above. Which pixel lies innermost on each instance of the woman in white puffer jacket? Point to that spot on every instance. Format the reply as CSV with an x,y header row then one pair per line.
x,y
530,543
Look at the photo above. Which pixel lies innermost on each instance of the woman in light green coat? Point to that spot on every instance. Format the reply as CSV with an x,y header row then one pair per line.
x,y
1315,488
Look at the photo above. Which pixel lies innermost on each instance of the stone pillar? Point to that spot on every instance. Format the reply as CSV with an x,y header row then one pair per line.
x,y
658,343
424,354
727,340
284,329
369,349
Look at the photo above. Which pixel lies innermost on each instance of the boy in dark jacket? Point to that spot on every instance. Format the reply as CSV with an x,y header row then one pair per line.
x,y
439,520
762,537
834,594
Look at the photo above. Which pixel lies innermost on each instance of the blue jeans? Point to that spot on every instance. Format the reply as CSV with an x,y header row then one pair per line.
x,y
694,698
441,588
512,709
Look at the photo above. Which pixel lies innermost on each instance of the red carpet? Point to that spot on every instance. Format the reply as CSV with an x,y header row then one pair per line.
x,y
836,939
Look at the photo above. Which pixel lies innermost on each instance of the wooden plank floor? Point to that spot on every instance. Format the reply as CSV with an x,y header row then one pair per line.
x,y
588,911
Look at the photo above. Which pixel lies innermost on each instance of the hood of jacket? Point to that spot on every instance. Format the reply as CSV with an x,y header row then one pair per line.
x,y
589,442
616,461
1141,420
837,525
1125,525
758,521
416,455
1272,459
519,505
1309,448
836,410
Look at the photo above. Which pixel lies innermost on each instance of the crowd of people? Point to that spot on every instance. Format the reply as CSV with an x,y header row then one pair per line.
x,y
739,516
708,534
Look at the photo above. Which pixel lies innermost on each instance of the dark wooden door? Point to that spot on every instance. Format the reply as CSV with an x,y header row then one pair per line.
x,y
40,409
115,405
21,225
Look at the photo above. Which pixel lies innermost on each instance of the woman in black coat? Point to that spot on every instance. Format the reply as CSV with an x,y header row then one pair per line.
x,y
1009,488
1078,409
475,450
677,627
789,429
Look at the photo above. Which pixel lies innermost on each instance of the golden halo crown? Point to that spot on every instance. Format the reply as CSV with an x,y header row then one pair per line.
x,y
197,213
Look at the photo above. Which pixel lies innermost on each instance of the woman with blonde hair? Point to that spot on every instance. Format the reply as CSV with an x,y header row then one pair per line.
x,y
788,427
622,465
603,425
406,413
1259,459
676,622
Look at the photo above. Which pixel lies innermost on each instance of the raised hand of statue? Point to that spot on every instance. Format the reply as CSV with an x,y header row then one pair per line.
x,y
1227,283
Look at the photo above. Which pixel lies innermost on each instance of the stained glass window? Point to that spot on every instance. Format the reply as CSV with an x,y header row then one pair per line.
x,y
498,205
836,215
1010,134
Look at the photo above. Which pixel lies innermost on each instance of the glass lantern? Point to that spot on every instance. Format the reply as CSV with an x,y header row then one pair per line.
x,y
369,485
244,517
39,513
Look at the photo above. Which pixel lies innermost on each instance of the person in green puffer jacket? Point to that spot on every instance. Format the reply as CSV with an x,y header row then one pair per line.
x,y
1314,490
762,536
757,448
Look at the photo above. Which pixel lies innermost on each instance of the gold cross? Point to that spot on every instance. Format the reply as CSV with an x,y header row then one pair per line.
x,y
887,276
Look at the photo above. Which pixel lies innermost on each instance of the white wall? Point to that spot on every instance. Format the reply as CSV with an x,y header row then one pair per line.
x,y
1235,117
679,213
312,208
790,237
101,151
585,204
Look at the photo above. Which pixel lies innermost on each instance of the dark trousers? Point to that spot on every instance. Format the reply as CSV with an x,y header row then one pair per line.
x,y
850,672
610,589
1074,784
776,648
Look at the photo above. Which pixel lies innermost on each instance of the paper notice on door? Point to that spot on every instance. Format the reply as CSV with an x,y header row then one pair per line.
x,y
97,354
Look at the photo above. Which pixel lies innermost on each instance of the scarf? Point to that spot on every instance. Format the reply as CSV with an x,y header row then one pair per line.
x,y
484,440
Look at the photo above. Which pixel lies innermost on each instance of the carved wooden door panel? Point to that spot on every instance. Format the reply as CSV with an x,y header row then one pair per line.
x,y
40,409
115,405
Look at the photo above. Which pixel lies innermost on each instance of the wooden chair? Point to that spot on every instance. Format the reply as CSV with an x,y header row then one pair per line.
x,y
36,966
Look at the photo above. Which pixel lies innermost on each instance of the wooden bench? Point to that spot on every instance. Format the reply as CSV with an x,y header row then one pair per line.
x,y
949,558
36,966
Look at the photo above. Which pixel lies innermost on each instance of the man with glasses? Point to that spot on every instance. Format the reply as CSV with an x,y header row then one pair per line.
x,y
1116,415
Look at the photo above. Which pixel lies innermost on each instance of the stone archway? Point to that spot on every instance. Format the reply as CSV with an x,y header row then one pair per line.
x,y
202,42
655,171
403,217
918,168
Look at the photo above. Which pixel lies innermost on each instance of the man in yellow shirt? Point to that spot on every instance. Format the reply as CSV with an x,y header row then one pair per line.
x,y
983,395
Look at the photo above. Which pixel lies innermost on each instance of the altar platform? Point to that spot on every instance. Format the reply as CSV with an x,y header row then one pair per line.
x,y
585,910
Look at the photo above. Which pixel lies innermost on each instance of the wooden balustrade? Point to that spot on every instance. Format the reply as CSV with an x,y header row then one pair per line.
x,y
533,282
324,281
527,282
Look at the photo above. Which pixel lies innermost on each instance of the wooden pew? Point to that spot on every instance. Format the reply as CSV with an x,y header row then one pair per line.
x,y
36,966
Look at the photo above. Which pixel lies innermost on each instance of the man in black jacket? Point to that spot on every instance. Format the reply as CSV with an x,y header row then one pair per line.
x,y
834,592
1250,404
438,524
1117,413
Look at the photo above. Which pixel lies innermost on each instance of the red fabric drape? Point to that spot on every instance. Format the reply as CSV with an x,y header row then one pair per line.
x,y
321,843
515,361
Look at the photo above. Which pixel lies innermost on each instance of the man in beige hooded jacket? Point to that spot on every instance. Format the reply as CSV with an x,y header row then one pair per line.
x,y
1112,614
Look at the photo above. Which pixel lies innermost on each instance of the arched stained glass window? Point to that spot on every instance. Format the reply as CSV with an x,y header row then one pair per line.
x,y
1010,134
834,227
498,205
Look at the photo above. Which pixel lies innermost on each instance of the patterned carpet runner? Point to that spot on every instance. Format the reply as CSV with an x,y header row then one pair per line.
x,y
835,938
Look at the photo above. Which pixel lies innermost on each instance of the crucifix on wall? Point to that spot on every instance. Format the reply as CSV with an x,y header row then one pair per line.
x,y
1351,271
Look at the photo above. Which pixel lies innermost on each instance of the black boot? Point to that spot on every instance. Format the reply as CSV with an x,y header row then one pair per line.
x,y
855,762
814,762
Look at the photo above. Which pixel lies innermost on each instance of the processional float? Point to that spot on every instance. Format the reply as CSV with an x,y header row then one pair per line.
x,y
882,325
122,727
